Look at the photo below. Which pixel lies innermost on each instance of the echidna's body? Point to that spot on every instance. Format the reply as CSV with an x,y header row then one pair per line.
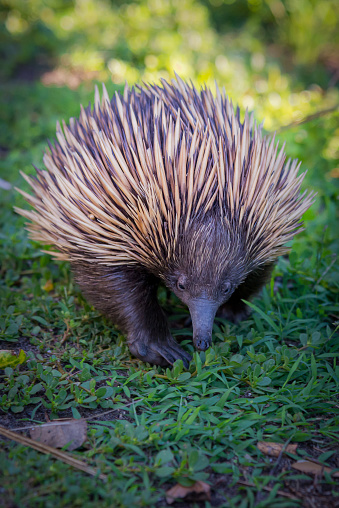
x,y
166,183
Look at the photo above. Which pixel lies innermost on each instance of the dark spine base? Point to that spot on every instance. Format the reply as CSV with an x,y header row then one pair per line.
x,y
235,310
128,297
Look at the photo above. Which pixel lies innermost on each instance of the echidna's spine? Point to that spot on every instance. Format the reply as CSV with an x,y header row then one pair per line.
x,y
124,181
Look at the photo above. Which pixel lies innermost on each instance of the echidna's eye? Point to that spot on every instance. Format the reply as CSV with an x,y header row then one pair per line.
x,y
181,285
227,288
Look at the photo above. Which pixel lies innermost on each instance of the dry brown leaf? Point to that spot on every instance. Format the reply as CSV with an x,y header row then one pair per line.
x,y
334,173
58,434
275,449
309,467
57,454
200,490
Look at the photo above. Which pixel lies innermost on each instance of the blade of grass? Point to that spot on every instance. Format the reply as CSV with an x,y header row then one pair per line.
x,y
264,316
293,369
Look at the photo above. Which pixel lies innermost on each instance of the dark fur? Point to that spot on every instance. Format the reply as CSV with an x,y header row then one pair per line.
x,y
128,296
235,309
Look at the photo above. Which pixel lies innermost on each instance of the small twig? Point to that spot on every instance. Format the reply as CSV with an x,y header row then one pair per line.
x,y
100,414
97,415
326,271
308,118
66,334
280,456
60,369
70,374
269,489
80,387
111,410
49,450
59,421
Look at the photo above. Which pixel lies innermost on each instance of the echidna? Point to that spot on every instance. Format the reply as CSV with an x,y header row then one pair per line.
x,y
165,183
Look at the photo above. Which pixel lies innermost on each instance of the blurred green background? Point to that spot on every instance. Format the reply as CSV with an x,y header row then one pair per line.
x,y
279,57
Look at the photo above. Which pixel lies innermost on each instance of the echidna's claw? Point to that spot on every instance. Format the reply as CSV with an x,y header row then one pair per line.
x,y
161,353
173,352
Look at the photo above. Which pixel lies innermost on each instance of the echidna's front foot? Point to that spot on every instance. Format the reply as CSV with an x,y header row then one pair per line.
x,y
159,353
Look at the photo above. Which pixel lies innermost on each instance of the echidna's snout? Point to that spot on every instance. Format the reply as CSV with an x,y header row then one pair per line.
x,y
202,313
202,343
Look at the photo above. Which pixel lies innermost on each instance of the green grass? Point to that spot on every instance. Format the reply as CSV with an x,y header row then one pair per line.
x,y
274,377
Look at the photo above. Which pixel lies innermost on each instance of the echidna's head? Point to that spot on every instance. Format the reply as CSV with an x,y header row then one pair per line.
x,y
210,264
